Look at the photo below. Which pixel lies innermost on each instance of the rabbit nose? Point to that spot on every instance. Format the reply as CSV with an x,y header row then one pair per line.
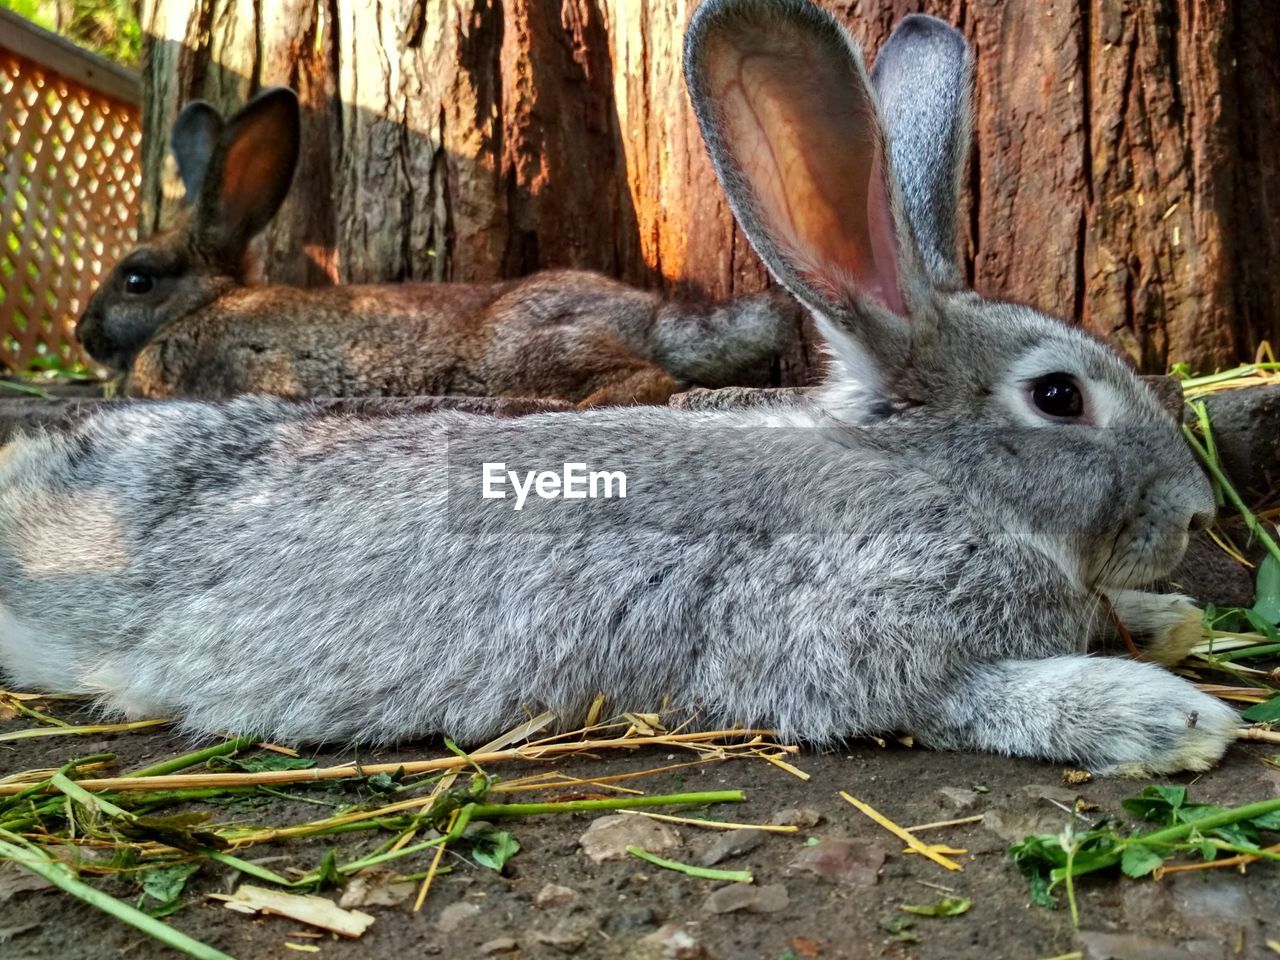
x,y
1201,521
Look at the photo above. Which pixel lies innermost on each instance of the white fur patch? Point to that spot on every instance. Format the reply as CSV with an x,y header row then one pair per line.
x,y
112,689
25,659
85,525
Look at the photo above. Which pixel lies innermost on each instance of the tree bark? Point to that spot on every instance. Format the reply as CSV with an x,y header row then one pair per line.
x,y
1123,174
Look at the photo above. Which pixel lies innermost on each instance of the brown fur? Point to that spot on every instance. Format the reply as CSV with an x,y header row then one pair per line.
x,y
179,309
566,335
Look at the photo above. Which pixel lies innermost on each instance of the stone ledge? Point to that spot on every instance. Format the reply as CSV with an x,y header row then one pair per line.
x,y
1246,429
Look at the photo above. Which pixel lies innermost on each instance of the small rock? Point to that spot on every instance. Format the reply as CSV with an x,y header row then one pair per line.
x,y
8,933
454,915
567,936
1192,906
1012,825
554,895
1246,431
1048,791
744,896
957,798
731,843
1269,777
629,918
851,862
15,880
672,942
1136,946
499,945
376,888
1213,900
608,837
795,817
1210,576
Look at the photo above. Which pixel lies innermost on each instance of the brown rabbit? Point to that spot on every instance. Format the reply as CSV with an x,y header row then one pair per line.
x,y
180,313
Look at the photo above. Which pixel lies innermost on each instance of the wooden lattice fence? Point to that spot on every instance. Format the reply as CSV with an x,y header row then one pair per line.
x,y
69,174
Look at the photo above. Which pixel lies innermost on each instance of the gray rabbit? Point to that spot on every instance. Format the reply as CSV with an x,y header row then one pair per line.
x,y
182,314
920,548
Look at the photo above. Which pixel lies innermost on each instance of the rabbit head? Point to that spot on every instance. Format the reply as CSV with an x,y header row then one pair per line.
x,y
847,186
236,175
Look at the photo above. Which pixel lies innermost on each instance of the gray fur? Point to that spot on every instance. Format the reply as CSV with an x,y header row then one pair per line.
x,y
923,556
205,329
922,77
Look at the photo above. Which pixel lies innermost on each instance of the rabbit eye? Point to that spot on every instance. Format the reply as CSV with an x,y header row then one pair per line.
x,y
137,282
1058,395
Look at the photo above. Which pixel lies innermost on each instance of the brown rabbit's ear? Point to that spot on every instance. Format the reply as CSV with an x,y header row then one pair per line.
x,y
250,172
790,121
194,138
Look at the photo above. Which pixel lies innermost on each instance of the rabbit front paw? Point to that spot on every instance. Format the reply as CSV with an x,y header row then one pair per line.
x,y
1166,726
1165,626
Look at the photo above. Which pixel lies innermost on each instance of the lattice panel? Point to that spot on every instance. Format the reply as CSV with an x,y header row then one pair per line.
x,y
69,179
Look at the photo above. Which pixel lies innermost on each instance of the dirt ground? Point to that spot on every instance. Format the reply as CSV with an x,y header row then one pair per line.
x,y
474,911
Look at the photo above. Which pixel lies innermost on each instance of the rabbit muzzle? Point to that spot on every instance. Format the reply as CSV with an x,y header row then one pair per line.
x,y
1153,539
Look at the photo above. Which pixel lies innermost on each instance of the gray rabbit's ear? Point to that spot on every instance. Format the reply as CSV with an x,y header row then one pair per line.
x,y
250,172
790,121
194,138
922,79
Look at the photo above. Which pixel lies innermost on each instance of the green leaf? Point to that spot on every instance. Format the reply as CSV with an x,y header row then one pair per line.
x,y
1266,712
383,782
165,883
493,850
1138,861
1039,890
261,763
1042,848
899,927
1262,624
1175,796
946,907
1226,618
166,909
1237,834
327,873
1268,821
1158,803
1267,599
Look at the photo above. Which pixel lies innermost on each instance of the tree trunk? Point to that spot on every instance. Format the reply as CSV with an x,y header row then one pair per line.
x,y
1123,174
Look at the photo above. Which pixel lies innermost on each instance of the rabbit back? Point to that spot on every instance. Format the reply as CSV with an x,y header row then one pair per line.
x,y
233,589
567,335
375,340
